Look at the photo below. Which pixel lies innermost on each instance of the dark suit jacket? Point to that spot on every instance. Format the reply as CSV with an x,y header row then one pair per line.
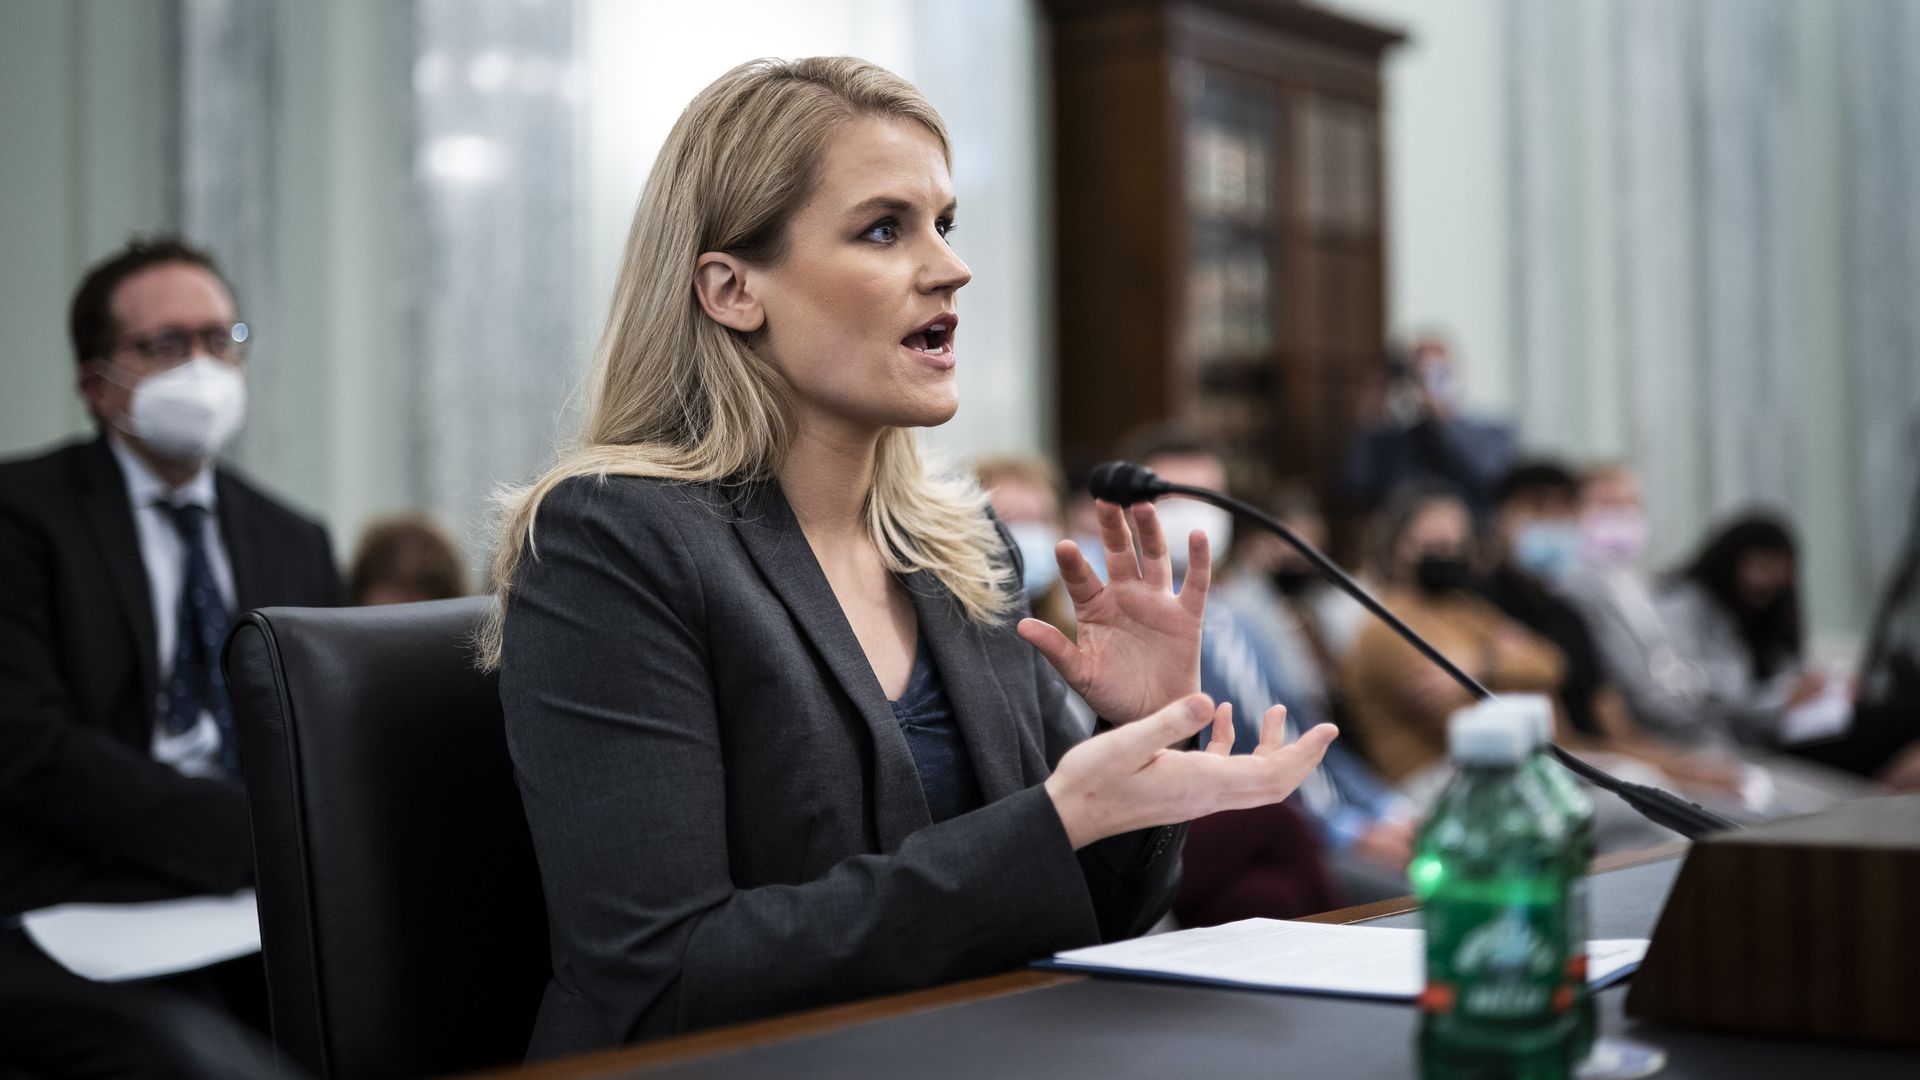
x,y
85,811
726,814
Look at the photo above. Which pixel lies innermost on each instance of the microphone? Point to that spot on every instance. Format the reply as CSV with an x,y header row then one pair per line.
x,y
1125,483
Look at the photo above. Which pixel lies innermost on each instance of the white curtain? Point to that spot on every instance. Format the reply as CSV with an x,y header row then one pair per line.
x,y
1713,263
491,304
1883,277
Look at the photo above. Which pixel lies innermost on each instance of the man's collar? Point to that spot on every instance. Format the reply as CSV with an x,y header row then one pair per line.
x,y
145,487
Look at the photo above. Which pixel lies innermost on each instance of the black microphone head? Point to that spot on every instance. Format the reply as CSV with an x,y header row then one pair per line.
x,y
1125,483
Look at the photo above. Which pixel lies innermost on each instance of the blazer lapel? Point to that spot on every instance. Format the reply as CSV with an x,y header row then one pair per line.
x,y
245,552
103,504
968,670
777,546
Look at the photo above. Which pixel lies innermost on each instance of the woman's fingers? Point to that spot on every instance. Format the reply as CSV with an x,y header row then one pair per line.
x,y
1273,773
1176,723
1077,574
1193,589
1221,741
1296,762
1122,563
1059,651
1273,729
1156,564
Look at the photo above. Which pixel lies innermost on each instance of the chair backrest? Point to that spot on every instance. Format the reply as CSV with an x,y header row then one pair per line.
x,y
401,917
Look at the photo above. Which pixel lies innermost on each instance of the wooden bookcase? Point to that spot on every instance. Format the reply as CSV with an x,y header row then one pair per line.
x,y
1218,225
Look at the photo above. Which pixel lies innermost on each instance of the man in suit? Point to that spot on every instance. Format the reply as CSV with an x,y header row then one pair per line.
x,y
123,560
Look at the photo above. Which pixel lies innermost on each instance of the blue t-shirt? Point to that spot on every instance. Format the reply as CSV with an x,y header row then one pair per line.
x,y
939,752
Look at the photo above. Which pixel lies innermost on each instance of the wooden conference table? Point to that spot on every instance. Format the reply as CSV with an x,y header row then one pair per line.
x,y
1058,1026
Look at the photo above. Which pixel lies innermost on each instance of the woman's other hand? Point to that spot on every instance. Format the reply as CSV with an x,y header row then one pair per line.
x,y
1131,778
1138,644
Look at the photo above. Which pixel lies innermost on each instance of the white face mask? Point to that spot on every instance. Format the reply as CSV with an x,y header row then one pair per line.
x,y
188,412
1036,541
1179,517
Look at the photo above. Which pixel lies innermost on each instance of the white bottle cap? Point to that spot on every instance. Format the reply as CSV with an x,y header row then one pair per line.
x,y
1491,733
1536,710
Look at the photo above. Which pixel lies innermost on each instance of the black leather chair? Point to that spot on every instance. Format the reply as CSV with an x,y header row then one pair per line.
x,y
401,917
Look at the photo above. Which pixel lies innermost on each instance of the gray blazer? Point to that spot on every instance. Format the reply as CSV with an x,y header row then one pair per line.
x,y
726,814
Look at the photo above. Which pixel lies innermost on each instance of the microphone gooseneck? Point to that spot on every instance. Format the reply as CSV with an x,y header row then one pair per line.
x,y
1125,483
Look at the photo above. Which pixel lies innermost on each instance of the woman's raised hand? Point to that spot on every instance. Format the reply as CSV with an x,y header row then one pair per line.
x,y
1130,778
1139,643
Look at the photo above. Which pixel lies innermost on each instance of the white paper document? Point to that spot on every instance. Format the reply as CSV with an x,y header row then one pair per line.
x,y
1276,954
1827,715
114,942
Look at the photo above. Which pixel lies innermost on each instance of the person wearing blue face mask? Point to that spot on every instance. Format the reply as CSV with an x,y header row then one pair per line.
x,y
1538,543
1024,491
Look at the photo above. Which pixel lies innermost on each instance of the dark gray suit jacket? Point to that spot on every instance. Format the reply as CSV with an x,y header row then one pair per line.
x,y
727,817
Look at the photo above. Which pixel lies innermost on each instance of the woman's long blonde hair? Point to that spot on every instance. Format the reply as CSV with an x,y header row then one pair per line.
x,y
675,396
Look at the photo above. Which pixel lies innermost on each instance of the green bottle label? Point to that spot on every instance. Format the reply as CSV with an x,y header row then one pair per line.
x,y
1498,962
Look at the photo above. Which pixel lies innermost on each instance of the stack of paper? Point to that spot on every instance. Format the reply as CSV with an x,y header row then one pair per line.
x,y
1275,954
112,942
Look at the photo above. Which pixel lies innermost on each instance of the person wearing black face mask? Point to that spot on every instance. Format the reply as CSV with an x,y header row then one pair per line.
x,y
1442,574
1398,702
1271,586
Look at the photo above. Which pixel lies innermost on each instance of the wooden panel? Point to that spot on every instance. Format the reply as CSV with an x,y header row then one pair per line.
x,y
1220,228
1116,221
1803,927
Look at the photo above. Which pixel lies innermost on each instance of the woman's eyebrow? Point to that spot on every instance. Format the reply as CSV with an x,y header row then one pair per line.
x,y
895,205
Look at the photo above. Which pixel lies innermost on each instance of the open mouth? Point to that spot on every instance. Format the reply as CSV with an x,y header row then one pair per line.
x,y
935,337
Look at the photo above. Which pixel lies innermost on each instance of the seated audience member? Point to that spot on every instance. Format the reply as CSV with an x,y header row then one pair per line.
x,y
1734,611
1669,693
1366,830
1263,863
1883,740
1024,492
1309,622
1399,700
404,559
1664,689
124,557
1424,437
1536,545
781,736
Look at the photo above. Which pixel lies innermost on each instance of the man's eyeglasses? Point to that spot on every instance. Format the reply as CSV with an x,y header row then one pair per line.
x,y
222,341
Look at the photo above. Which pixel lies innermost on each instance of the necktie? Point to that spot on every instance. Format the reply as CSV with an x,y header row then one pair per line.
x,y
201,621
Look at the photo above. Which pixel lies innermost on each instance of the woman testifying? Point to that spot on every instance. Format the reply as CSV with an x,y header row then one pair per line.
x,y
779,740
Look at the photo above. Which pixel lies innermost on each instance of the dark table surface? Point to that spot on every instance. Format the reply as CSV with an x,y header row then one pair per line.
x,y
1114,1029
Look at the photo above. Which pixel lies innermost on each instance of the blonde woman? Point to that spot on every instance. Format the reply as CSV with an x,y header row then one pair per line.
x,y
778,739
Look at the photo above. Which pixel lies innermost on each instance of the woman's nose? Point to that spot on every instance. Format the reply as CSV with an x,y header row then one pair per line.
x,y
945,271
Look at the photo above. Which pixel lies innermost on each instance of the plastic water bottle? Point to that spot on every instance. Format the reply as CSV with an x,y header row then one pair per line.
x,y
1577,808
1491,871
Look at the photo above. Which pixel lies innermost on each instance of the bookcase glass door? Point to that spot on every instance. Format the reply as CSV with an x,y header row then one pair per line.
x,y
1233,225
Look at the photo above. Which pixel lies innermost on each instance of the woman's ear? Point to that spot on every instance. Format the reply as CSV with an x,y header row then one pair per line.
x,y
720,280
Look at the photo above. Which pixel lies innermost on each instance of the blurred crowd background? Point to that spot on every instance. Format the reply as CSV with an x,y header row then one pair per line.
x,y
1677,234
1671,239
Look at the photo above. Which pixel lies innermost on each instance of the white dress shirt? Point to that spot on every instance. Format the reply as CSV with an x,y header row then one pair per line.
x,y
197,751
